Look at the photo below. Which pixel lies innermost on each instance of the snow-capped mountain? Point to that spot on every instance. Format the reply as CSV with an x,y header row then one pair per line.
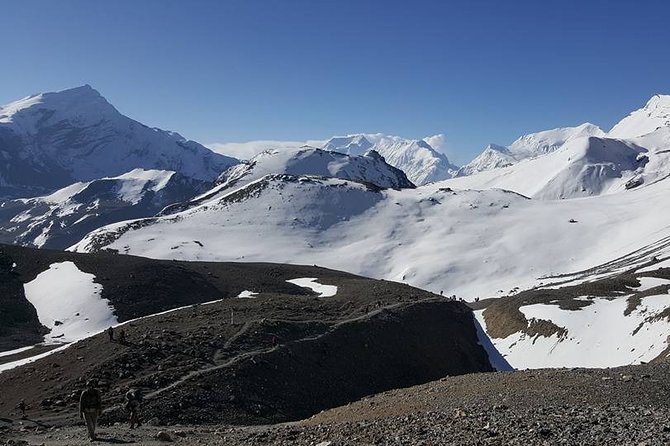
x,y
51,140
653,116
370,169
527,146
493,157
634,153
65,216
421,162
582,167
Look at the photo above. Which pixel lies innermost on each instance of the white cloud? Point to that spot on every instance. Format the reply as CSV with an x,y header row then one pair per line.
x,y
438,142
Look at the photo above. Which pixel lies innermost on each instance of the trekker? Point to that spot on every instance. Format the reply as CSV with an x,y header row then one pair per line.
x,y
90,406
22,407
133,402
122,336
110,333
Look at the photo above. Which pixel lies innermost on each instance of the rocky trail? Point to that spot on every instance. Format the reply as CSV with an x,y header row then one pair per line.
x,y
627,405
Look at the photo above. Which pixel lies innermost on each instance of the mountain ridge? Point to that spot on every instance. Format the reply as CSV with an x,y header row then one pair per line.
x,y
52,140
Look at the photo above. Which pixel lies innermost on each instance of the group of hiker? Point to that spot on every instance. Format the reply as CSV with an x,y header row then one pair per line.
x,y
90,401
90,406
121,336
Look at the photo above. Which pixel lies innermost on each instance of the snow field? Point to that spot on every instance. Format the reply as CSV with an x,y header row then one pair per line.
x,y
312,284
68,302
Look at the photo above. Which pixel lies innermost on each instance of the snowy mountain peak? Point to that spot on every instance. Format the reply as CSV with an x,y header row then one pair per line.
x,y
63,217
417,158
374,155
535,144
493,157
51,140
351,144
582,167
654,115
369,168
82,103
658,102
527,146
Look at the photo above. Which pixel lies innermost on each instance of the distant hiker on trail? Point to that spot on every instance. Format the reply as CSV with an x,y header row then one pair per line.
x,y
122,336
110,333
90,406
22,407
133,402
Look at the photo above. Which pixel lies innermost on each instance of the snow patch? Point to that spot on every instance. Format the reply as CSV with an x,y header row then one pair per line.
x,y
68,302
24,361
312,284
647,283
598,335
246,294
15,351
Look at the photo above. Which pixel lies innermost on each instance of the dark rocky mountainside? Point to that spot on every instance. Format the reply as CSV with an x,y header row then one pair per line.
x,y
283,355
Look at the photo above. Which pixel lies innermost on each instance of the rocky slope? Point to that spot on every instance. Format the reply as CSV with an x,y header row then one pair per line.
x,y
626,405
265,349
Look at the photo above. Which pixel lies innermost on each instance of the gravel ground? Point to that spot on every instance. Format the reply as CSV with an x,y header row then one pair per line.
x,y
627,406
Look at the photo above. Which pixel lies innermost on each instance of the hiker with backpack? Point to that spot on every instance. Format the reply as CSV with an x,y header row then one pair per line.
x,y
133,402
90,406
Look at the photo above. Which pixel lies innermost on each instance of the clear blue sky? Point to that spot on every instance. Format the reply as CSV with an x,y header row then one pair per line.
x,y
238,70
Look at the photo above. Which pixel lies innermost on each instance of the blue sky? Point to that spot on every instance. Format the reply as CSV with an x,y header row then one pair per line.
x,y
239,70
